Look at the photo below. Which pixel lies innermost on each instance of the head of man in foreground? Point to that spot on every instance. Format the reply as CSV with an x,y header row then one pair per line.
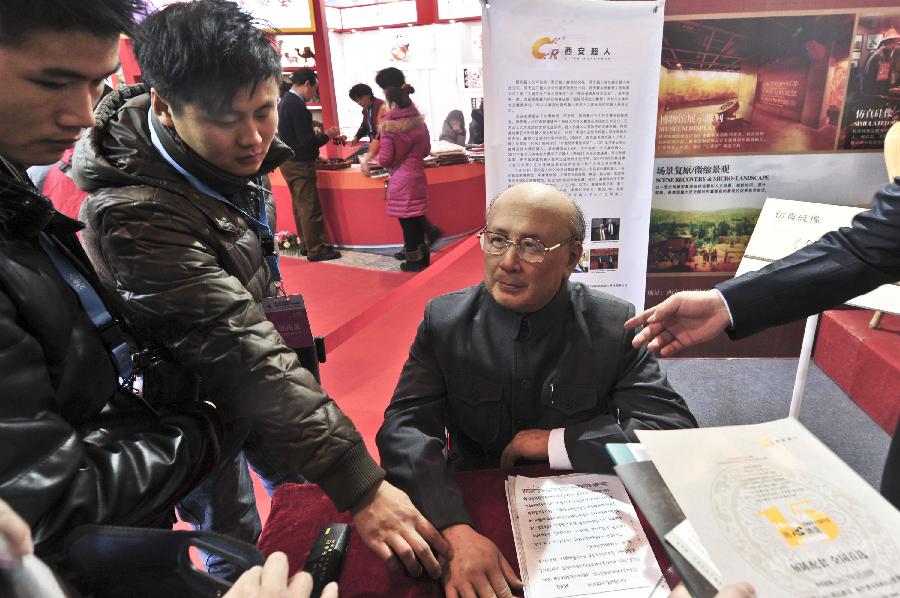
x,y
54,57
532,242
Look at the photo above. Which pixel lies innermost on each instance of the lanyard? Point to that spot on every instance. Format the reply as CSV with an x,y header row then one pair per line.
x,y
92,304
263,231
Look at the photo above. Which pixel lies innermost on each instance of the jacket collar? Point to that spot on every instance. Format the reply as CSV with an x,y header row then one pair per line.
x,y
401,120
538,323
24,212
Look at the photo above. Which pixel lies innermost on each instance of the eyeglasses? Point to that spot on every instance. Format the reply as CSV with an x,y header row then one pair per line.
x,y
530,250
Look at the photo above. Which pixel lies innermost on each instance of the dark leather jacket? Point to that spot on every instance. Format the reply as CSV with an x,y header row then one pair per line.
x,y
74,447
191,274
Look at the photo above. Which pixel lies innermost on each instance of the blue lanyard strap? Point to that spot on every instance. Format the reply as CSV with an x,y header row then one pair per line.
x,y
261,224
93,305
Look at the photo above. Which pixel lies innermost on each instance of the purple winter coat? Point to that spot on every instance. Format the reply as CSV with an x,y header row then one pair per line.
x,y
404,143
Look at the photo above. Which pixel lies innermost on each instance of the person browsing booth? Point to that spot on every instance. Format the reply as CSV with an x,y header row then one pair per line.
x,y
526,366
180,223
75,447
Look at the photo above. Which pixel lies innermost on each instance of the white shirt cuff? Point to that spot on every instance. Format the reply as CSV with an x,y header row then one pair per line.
x,y
727,308
556,450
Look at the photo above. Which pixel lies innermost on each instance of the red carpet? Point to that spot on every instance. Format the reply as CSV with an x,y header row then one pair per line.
x,y
865,363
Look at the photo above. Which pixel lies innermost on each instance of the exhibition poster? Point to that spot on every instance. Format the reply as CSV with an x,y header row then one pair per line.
x,y
571,90
754,103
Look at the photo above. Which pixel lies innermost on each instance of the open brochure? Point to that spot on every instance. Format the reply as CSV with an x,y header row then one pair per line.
x,y
773,506
579,535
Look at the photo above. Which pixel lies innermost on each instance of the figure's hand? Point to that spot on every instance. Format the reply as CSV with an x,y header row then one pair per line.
x,y
365,168
526,444
271,581
478,568
332,131
354,141
683,320
738,590
394,529
15,532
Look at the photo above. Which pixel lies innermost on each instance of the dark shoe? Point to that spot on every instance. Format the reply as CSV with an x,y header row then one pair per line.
x,y
328,254
416,261
303,251
400,255
434,235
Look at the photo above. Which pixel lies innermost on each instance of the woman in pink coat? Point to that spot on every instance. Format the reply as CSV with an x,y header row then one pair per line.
x,y
404,144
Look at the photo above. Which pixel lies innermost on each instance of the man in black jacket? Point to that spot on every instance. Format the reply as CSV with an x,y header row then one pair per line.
x,y
525,365
74,446
295,129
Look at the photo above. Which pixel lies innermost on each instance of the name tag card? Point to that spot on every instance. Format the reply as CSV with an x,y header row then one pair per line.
x,y
288,315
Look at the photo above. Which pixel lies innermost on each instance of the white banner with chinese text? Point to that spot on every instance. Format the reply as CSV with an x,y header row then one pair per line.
x,y
571,90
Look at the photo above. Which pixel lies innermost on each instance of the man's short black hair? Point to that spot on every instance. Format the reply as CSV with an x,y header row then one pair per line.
x,y
204,52
302,75
103,18
361,90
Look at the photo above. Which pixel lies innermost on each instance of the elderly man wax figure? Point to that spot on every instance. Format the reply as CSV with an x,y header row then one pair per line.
x,y
525,365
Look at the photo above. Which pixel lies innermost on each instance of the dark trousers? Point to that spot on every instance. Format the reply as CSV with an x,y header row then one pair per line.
x,y
413,232
224,501
301,179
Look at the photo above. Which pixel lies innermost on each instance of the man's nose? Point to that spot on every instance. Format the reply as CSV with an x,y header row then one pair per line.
x,y
78,110
510,260
249,136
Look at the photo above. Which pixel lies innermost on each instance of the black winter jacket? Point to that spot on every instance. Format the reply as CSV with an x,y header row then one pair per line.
x,y
74,447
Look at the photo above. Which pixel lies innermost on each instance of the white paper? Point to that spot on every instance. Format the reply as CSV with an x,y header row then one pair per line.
x,y
776,508
578,535
784,226
686,541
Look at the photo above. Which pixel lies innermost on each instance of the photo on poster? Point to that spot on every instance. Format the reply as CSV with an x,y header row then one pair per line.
x,y
872,102
770,84
857,42
606,258
605,229
699,241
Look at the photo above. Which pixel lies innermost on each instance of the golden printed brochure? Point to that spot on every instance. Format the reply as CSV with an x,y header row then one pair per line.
x,y
775,507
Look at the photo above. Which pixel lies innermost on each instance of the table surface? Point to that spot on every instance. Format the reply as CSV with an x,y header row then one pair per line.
x,y
300,511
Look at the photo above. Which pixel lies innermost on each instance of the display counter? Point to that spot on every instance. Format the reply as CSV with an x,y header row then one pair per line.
x,y
353,204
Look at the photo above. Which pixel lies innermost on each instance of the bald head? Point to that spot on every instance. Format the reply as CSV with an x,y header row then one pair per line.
x,y
533,212
544,199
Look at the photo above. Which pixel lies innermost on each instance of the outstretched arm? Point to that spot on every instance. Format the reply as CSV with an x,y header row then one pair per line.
x,y
683,320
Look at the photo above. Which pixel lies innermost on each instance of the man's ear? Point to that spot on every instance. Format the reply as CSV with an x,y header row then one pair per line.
x,y
161,109
574,256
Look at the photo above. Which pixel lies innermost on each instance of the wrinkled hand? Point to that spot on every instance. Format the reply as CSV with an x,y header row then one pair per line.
x,y
394,529
526,444
737,590
478,568
332,131
271,581
683,320
16,535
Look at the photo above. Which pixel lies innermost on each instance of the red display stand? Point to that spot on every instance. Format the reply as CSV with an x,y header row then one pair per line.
x,y
354,206
865,363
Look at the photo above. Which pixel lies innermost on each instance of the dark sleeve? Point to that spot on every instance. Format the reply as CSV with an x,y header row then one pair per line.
x,y
412,439
124,468
211,324
300,122
841,265
363,130
643,399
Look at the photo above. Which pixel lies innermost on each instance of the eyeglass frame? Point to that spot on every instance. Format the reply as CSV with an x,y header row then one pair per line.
x,y
517,243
